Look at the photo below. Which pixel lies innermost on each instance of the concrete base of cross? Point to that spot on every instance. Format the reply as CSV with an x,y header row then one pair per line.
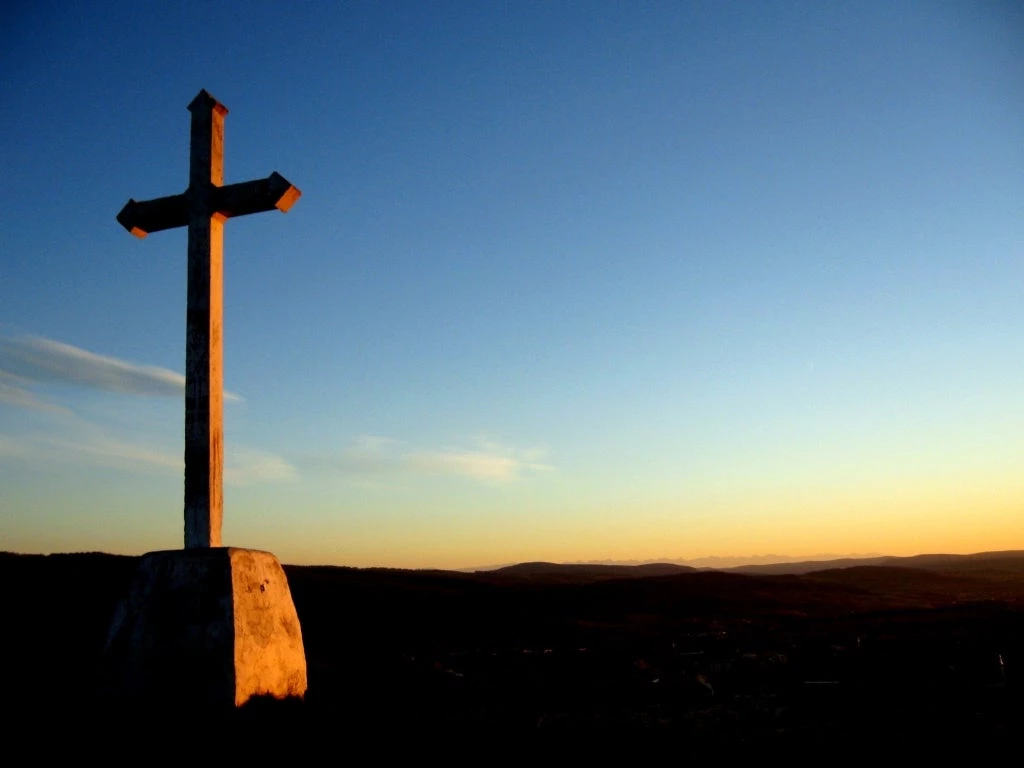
x,y
208,627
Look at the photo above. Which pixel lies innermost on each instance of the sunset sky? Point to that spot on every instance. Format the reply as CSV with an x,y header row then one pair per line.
x,y
567,281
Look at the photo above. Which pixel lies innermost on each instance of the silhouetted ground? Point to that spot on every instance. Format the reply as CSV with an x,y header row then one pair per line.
x,y
861,657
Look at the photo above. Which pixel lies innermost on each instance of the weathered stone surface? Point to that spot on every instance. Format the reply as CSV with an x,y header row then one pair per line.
x,y
213,627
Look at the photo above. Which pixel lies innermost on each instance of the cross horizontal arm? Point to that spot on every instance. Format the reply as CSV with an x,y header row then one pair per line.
x,y
275,191
154,215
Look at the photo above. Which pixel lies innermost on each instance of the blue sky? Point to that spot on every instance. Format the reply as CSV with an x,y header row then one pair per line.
x,y
567,281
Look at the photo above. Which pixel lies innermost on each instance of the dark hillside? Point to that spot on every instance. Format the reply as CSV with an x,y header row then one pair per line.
x,y
716,658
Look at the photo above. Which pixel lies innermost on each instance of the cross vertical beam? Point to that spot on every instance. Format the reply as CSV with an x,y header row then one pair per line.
x,y
204,333
203,208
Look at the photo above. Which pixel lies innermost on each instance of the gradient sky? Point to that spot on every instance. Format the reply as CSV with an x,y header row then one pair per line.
x,y
567,281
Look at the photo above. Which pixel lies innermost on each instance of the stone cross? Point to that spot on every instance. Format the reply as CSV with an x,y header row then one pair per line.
x,y
203,208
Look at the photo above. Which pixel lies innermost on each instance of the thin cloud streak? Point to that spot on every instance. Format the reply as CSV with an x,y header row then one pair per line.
x,y
13,448
109,452
373,456
243,466
247,466
19,397
35,360
480,466
88,447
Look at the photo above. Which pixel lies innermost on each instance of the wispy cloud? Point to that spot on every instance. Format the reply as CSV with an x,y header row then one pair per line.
x,y
26,361
13,392
247,466
477,465
485,461
110,452
243,466
11,447
88,445
30,363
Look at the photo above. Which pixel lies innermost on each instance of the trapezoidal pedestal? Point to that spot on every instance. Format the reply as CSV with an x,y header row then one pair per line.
x,y
212,627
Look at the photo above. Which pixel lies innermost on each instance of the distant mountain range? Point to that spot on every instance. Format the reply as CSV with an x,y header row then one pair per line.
x,y
580,573
1009,561
713,561
979,561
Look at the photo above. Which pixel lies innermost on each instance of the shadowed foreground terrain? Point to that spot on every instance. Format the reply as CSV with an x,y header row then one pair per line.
x,y
871,654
